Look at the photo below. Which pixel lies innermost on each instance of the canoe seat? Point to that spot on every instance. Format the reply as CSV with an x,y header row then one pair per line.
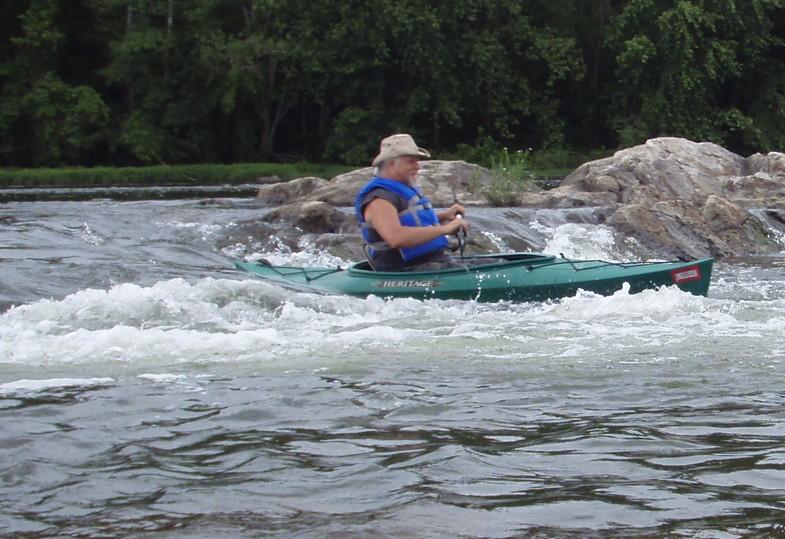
x,y
368,257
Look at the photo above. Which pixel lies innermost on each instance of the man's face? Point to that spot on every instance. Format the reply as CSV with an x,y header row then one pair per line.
x,y
403,169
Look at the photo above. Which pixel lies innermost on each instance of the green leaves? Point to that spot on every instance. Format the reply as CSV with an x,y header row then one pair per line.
x,y
681,64
169,81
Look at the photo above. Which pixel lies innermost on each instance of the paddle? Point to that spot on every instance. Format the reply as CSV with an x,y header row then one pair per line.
x,y
461,234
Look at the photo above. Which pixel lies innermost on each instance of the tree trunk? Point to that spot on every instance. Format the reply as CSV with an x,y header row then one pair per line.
x,y
129,90
169,25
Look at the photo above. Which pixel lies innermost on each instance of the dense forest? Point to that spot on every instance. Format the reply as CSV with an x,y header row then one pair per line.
x,y
131,82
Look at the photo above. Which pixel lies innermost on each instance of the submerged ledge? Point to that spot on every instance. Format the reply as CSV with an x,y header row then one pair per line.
x,y
33,194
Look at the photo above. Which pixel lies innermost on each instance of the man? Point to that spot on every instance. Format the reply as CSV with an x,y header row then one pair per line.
x,y
402,230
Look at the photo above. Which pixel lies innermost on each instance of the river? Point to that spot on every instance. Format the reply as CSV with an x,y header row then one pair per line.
x,y
149,390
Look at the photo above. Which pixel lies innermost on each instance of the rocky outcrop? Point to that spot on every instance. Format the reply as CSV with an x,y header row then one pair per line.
x,y
676,197
443,182
682,198
674,169
311,217
284,193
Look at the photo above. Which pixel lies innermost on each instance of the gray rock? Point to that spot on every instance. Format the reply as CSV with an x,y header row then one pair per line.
x,y
443,182
285,192
682,198
311,217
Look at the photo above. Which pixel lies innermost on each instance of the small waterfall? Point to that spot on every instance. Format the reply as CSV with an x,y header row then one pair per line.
x,y
774,220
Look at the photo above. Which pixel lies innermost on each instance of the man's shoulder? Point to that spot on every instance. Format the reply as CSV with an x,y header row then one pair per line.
x,y
382,193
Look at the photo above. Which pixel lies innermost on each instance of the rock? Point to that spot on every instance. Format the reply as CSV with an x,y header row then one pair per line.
x,y
682,198
678,228
603,183
311,217
757,190
656,230
341,190
772,163
344,246
721,214
660,169
282,193
443,182
449,182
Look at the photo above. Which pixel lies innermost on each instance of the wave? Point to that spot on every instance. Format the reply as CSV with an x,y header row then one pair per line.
x,y
254,323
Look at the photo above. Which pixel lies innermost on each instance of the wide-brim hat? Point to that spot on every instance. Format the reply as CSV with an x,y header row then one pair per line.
x,y
398,146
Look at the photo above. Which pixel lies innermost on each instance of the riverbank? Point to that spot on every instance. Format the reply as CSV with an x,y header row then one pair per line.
x,y
544,167
164,175
164,192
177,181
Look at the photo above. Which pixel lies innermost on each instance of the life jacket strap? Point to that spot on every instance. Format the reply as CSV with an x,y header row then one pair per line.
x,y
412,210
375,245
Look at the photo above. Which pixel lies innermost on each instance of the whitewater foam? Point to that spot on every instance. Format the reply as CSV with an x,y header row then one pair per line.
x,y
26,386
249,321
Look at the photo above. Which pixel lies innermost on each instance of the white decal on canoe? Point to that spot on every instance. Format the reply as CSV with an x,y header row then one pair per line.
x,y
408,283
692,273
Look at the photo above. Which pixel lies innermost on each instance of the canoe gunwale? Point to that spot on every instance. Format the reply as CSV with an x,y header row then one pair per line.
x,y
511,260
497,263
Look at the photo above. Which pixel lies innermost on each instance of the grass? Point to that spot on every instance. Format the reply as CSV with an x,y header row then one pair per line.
x,y
517,171
514,170
165,175
511,176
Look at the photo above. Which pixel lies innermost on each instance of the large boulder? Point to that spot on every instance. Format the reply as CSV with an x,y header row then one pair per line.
x,y
311,217
675,168
682,198
661,169
681,229
443,182
286,192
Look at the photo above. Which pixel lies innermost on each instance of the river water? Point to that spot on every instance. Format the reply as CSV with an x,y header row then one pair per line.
x,y
149,390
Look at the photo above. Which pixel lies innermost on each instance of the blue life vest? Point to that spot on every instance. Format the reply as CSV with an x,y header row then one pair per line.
x,y
419,212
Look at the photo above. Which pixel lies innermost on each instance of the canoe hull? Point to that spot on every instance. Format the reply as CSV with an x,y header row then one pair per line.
x,y
515,277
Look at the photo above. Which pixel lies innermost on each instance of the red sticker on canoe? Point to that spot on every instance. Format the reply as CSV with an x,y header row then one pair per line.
x,y
684,275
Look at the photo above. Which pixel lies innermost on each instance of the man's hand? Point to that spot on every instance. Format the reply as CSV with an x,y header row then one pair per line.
x,y
459,223
452,212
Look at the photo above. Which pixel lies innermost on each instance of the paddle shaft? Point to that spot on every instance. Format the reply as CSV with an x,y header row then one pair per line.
x,y
461,234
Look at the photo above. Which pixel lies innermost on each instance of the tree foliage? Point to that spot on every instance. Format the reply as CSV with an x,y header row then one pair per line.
x,y
683,66
176,81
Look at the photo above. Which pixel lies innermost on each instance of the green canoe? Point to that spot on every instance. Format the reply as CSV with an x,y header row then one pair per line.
x,y
516,277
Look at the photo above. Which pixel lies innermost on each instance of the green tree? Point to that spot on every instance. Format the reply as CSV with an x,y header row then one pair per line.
x,y
450,72
251,61
44,119
680,63
146,72
174,81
